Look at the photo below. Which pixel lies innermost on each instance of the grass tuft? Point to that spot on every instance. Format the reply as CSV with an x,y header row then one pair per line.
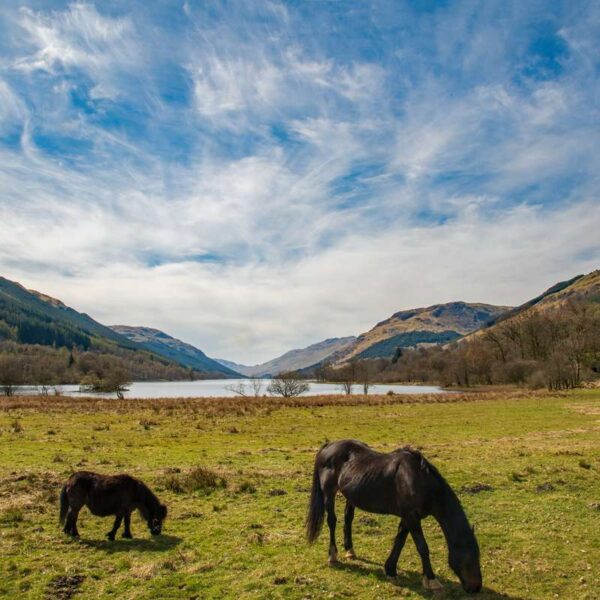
x,y
199,479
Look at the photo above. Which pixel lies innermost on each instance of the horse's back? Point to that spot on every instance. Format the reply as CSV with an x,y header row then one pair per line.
x,y
385,483
364,476
103,494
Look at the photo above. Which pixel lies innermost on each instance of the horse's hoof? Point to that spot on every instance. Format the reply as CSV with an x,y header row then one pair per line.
x,y
432,585
111,537
350,553
127,536
332,560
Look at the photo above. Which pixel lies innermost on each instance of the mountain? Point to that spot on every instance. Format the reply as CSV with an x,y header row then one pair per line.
x,y
34,320
437,324
173,349
237,367
295,359
42,340
30,317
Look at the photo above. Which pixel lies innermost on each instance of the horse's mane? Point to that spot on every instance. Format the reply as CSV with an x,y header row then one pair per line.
x,y
443,488
146,495
458,522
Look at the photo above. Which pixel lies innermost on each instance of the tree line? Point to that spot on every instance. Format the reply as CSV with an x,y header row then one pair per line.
x,y
94,370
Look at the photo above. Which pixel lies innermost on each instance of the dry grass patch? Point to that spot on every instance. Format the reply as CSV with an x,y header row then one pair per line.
x,y
199,479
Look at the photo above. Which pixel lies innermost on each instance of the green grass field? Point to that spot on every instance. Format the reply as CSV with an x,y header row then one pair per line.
x,y
538,527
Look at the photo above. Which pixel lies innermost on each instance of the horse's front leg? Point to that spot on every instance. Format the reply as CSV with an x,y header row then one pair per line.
x,y
348,517
111,534
429,580
127,532
391,564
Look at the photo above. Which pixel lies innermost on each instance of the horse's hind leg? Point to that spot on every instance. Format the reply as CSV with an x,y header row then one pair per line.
x,y
329,488
111,534
348,517
68,525
429,580
391,564
71,524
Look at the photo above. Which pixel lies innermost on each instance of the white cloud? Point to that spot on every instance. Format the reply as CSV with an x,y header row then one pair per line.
x,y
79,37
12,111
319,191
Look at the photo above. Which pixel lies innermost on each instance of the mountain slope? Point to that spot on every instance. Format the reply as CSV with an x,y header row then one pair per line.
x,y
437,324
295,359
42,340
173,349
29,317
582,288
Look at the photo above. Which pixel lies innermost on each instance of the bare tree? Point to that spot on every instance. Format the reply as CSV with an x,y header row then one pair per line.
x,y
365,371
287,385
347,376
346,386
254,388
257,385
238,388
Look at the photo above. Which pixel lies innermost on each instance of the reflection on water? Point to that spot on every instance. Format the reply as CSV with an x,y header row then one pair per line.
x,y
225,388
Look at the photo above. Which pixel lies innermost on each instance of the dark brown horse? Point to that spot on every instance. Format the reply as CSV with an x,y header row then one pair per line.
x,y
106,495
401,483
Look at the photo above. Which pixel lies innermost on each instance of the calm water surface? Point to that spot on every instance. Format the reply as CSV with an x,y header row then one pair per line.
x,y
225,388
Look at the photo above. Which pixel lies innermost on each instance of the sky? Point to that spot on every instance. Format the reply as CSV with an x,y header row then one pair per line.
x,y
255,176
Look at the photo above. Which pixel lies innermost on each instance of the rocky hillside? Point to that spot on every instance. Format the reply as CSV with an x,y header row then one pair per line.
x,y
295,359
173,349
437,324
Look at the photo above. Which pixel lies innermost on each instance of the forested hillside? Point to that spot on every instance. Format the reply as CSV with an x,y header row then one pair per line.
x,y
44,342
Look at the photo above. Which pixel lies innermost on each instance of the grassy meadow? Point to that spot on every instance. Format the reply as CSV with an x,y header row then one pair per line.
x,y
525,465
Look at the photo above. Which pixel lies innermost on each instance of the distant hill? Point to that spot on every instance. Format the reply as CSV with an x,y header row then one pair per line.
x,y
174,349
437,324
294,360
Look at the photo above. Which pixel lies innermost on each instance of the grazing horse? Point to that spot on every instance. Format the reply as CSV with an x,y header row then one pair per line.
x,y
401,483
106,495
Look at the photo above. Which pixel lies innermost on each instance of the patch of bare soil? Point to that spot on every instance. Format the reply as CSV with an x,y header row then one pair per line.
x,y
64,587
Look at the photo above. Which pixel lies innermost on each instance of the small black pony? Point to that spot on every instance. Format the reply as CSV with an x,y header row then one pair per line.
x,y
106,495
401,483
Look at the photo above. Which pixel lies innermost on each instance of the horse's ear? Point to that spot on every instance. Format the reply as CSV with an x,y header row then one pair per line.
x,y
473,529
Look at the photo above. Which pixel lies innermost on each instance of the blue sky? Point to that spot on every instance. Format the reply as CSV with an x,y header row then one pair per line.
x,y
256,176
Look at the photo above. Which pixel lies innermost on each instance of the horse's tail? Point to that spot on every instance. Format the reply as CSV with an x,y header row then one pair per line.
x,y
64,505
316,507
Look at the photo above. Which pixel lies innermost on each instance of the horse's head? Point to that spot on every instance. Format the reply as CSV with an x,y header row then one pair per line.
x,y
464,561
155,519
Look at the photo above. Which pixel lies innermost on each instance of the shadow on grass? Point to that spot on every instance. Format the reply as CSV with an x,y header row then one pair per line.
x,y
159,544
414,582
